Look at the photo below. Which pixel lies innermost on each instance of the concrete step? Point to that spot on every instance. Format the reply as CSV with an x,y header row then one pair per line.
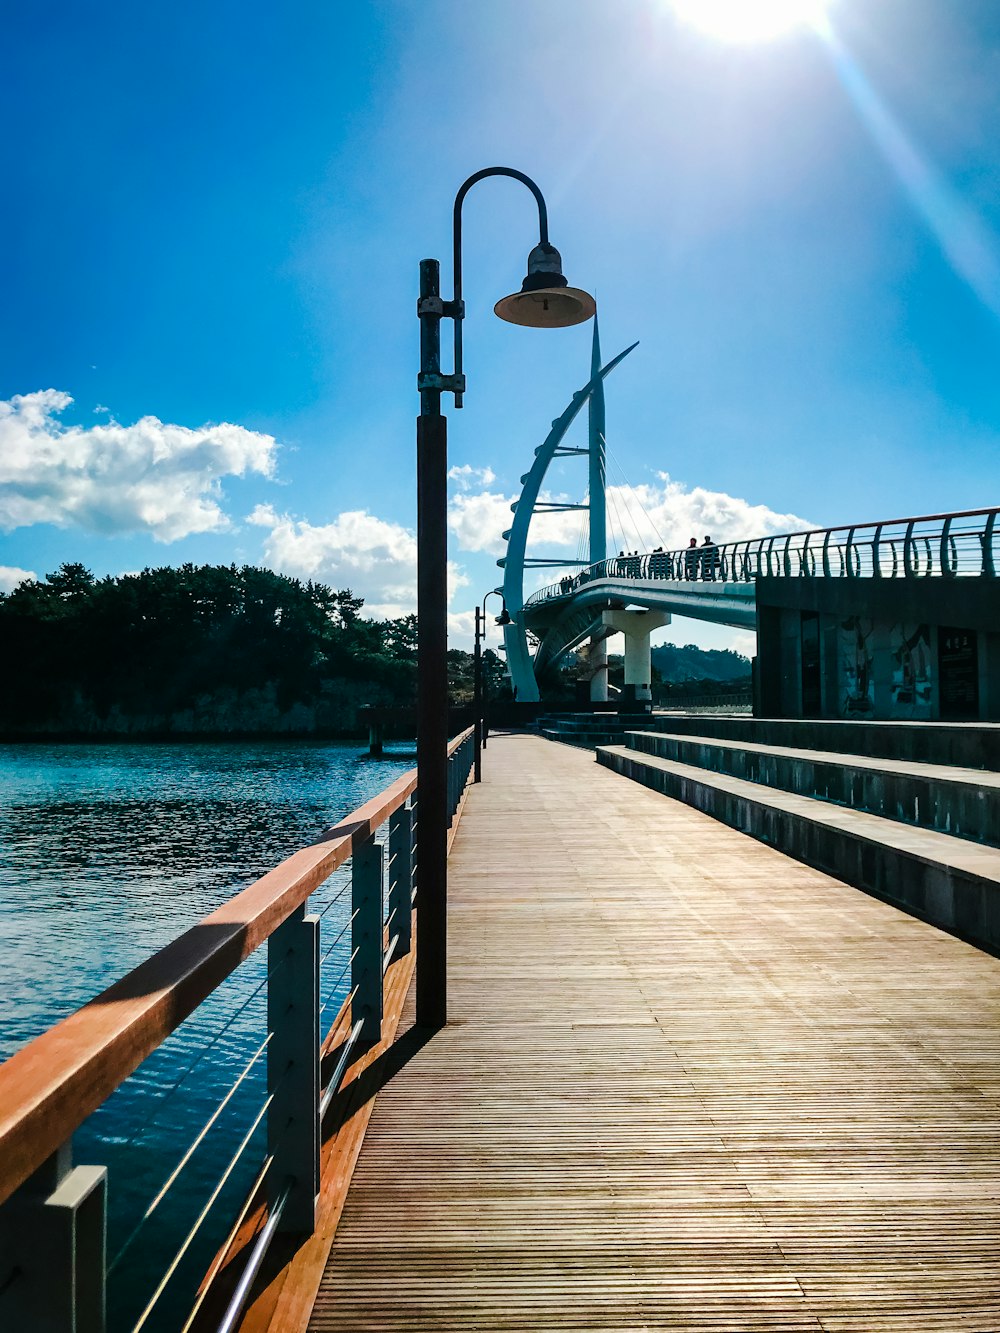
x,y
948,881
593,721
962,744
588,730
586,740
964,802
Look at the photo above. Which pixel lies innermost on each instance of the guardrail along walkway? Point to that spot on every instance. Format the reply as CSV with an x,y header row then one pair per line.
x,y
688,1084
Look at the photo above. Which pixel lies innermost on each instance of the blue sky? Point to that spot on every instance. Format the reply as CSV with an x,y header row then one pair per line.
x,y
213,221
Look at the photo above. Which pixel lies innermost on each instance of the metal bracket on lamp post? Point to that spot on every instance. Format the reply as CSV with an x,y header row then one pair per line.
x,y
437,383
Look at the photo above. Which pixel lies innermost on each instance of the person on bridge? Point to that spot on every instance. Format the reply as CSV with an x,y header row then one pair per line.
x,y
692,556
710,559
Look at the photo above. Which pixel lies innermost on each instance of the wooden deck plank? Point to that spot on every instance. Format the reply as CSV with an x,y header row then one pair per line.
x,y
687,1084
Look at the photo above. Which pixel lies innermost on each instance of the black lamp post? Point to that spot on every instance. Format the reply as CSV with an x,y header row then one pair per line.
x,y
544,301
479,690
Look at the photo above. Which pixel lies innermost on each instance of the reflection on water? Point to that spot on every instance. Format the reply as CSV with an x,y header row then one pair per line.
x,y
106,854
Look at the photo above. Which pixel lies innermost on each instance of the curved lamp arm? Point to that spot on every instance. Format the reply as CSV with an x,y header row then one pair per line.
x,y
458,308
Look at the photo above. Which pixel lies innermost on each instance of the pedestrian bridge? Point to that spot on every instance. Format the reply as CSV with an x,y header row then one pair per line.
x,y
687,1083
718,583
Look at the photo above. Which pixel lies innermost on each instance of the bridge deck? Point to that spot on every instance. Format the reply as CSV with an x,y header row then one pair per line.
x,y
689,1084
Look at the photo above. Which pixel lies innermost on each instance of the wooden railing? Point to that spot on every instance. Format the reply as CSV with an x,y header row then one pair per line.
x,y
53,1215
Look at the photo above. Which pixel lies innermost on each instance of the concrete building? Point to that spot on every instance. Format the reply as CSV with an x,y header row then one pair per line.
x,y
923,649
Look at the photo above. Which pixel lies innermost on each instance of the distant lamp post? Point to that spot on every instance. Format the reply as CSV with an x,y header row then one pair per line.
x,y
545,301
480,692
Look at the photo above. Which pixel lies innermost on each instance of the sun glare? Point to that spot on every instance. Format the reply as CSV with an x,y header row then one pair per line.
x,y
749,20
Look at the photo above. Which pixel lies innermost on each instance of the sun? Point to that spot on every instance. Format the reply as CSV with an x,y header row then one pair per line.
x,y
749,20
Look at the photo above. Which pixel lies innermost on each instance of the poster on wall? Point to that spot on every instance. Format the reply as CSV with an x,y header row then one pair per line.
x,y
958,671
857,677
911,671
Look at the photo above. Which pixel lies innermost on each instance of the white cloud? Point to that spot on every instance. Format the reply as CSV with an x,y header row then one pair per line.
x,y
467,476
745,642
376,559
462,628
675,514
11,576
478,521
150,477
639,517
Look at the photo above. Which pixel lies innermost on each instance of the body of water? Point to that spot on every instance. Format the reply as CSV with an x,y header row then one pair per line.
x,y
108,852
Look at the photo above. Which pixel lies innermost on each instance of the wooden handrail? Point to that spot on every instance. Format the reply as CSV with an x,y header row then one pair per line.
x,y
50,1086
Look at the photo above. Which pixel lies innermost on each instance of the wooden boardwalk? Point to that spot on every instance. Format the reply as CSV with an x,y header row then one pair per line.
x,y
687,1084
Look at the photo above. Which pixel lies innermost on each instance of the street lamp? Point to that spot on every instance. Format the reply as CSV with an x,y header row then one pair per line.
x,y
544,301
479,693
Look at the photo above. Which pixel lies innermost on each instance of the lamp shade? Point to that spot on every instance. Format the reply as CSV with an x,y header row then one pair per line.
x,y
545,301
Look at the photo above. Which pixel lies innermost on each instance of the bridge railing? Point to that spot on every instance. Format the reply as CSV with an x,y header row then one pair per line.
x,y
308,1006
937,545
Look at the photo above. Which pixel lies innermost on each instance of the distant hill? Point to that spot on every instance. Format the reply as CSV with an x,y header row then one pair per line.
x,y
693,663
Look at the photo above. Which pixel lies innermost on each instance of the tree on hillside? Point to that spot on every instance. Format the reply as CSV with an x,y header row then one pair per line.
x,y
157,641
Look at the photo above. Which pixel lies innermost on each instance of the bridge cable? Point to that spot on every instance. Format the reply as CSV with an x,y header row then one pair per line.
x,y
621,470
630,529
621,543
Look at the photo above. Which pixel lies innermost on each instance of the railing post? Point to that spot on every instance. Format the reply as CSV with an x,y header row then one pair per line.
x,y
400,878
293,1073
948,565
877,552
53,1236
850,571
989,565
908,570
366,941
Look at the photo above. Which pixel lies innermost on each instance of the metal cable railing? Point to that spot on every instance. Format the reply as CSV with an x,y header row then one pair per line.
x,y
936,546
189,1152
49,1089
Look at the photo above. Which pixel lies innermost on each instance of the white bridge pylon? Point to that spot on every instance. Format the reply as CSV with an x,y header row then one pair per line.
x,y
514,563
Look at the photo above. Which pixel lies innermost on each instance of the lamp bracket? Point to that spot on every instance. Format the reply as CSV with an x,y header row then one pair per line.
x,y
436,382
434,305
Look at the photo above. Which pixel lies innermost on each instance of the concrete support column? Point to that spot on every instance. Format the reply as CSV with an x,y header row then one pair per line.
x,y
637,627
599,665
